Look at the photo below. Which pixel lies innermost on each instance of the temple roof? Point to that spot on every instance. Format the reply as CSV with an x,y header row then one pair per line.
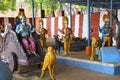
x,y
95,3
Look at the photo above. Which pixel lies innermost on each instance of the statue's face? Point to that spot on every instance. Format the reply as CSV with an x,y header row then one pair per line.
x,y
23,21
65,25
41,25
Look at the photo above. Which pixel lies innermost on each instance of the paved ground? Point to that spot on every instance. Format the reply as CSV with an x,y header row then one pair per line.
x,y
64,72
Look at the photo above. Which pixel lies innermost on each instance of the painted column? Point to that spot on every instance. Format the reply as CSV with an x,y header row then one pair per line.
x,y
70,14
41,10
88,5
88,48
32,13
21,4
111,13
61,8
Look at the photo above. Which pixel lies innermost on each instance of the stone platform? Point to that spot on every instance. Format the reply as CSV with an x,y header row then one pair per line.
x,y
81,60
107,68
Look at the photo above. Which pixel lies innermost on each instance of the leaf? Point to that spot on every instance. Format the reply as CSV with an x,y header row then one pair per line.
x,y
7,4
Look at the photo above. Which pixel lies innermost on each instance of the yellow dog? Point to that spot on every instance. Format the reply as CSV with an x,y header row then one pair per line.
x,y
96,44
49,62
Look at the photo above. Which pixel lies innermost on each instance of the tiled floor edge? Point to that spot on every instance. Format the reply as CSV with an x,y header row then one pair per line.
x,y
107,68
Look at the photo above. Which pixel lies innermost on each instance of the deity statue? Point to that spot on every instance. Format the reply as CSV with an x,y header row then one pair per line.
x,y
25,30
67,35
106,31
41,32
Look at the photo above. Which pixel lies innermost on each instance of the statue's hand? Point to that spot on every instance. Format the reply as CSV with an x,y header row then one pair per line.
x,y
19,31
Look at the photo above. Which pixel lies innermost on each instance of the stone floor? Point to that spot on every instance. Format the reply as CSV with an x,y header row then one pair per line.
x,y
64,72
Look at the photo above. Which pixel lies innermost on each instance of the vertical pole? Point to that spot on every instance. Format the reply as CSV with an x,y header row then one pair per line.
x,y
70,14
92,9
61,8
32,13
21,3
88,5
41,10
111,13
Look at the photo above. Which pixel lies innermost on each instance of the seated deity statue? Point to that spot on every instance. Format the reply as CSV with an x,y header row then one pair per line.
x,y
25,30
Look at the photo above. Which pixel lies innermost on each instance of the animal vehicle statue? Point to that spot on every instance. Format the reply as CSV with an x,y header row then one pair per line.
x,y
49,63
96,44
13,54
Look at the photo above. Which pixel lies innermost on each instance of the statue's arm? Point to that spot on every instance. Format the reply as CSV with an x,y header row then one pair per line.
x,y
18,29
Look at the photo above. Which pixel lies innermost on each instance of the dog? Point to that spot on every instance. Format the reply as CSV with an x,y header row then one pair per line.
x,y
58,44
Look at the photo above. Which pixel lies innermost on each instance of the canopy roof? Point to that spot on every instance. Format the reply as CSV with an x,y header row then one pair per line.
x,y
95,3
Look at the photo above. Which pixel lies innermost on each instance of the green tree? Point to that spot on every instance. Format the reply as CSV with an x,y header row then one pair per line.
x,y
7,4
48,5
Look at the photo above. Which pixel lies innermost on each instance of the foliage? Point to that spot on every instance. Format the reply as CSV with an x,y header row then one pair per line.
x,y
83,8
7,4
48,5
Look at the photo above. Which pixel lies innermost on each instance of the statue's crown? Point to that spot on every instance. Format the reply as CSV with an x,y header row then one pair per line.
x,y
106,18
21,13
65,19
41,21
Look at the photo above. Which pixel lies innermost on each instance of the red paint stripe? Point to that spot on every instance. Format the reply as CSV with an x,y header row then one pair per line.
x,y
37,22
114,28
11,20
35,19
94,23
2,21
80,25
48,24
56,26
30,21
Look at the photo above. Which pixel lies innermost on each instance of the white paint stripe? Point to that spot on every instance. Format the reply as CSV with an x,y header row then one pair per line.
x,y
118,14
68,21
101,23
85,26
76,29
52,26
60,26
6,21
